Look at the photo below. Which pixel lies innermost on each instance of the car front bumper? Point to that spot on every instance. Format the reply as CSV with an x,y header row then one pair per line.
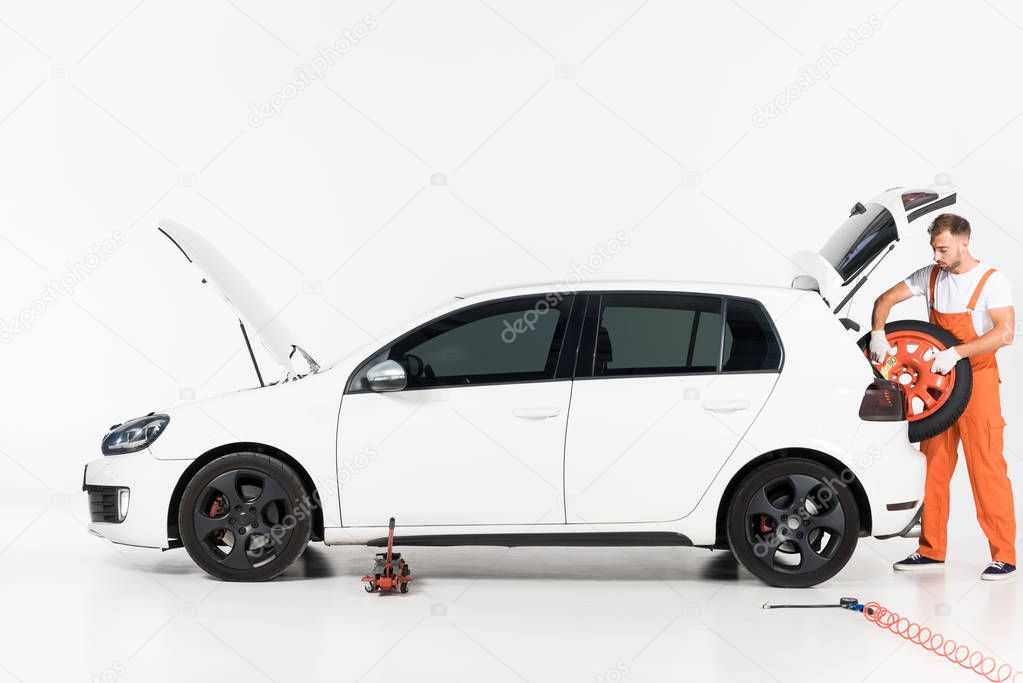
x,y
150,482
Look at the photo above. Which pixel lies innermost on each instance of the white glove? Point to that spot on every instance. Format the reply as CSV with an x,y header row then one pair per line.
x,y
879,346
945,360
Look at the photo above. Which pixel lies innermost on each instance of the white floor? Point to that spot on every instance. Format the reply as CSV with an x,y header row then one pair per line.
x,y
75,607
466,145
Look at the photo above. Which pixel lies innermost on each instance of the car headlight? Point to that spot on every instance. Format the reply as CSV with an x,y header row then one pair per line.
x,y
134,435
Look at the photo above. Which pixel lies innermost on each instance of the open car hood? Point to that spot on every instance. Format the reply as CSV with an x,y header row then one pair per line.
x,y
259,318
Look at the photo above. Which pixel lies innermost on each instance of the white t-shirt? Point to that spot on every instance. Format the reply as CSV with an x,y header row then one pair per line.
x,y
952,292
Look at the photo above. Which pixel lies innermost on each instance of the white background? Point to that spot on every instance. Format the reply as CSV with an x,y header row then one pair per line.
x,y
457,146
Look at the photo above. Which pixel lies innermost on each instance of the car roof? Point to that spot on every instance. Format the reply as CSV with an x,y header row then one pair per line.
x,y
730,288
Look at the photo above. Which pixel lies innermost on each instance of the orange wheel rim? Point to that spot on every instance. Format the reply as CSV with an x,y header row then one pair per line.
x,y
910,366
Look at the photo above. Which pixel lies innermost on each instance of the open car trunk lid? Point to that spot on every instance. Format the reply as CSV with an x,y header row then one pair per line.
x,y
840,269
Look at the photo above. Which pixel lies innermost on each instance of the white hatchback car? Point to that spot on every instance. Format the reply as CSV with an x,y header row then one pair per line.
x,y
620,413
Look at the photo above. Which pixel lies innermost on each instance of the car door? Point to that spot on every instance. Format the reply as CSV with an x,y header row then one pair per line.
x,y
477,436
666,386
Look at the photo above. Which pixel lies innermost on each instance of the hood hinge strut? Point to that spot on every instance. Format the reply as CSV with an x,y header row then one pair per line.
x,y
248,345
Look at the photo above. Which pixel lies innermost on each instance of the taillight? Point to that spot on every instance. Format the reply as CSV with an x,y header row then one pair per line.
x,y
883,401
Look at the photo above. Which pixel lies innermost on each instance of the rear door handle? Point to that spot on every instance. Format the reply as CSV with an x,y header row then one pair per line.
x,y
537,412
726,405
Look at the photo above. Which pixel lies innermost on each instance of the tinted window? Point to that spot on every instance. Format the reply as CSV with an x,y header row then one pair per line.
x,y
859,240
750,342
649,334
509,341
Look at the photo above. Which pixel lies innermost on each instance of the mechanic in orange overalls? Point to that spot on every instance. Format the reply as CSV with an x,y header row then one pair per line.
x,y
974,303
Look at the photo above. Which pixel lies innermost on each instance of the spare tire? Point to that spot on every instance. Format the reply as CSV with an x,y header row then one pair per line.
x,y
933,401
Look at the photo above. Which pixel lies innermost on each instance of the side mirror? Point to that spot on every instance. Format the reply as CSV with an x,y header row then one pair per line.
x,y
386,376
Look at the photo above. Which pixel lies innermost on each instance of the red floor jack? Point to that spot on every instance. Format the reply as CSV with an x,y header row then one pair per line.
x,y
390,572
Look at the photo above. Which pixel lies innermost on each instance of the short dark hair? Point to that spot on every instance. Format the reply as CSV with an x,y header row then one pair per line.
x,y
957,225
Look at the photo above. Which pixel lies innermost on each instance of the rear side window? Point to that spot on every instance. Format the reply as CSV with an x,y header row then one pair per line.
x,y
652,334
750,343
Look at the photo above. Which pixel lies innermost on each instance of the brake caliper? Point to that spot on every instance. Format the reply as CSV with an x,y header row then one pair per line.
x,y
217,508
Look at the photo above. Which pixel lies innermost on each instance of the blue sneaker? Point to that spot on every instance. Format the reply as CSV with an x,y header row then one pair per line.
x,y
999,571
917,562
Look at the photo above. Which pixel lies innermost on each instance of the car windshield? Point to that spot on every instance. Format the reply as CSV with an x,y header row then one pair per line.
x,y
859,240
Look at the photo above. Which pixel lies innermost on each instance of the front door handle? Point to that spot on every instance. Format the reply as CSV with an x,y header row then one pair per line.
x,y
537,412
726,405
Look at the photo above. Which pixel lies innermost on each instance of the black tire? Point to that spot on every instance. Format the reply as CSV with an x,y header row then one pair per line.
x,y
825,532
946,416
245,517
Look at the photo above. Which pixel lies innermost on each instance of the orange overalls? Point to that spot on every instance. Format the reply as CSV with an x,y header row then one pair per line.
x,y
980,428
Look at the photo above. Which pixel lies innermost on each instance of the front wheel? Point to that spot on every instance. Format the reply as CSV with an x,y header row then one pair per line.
x,y
245,517
793,523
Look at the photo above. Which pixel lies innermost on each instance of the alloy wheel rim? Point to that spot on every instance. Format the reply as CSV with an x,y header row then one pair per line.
x,y
910,366
243,519
795,524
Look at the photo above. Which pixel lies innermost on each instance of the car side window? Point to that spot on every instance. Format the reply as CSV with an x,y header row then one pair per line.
x,y
657,334
750,343
513,340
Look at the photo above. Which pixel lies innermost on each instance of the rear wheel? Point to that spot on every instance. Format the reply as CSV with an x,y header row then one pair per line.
x,y
245,517
933,401
793,523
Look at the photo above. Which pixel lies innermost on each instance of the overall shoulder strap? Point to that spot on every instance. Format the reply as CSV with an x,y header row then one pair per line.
x,y
976,293
930,287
